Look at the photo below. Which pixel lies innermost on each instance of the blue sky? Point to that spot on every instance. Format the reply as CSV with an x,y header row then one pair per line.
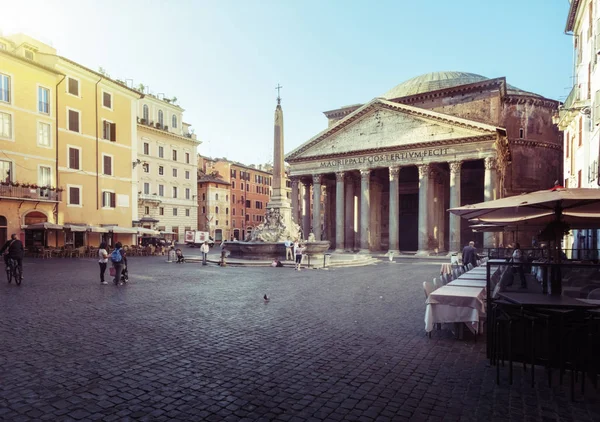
x,y
223,59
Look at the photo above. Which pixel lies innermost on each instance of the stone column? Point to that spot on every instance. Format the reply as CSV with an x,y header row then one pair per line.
x,y
394,210
316,226
365,178
489,194
424,209
349,213
306,216
339,211
295,200
454,202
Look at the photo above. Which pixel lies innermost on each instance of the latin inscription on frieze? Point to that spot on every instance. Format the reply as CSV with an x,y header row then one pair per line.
x,y
395,157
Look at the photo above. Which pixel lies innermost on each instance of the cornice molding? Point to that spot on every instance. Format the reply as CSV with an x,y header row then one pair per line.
x,y
535,144
460,89
531,100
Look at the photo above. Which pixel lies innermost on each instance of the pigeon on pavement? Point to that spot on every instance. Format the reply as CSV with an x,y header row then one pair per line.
x,y
266,298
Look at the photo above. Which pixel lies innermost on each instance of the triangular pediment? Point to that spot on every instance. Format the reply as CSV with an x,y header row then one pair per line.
x,y
383,124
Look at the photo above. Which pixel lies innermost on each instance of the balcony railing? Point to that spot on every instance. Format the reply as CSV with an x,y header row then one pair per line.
x,y
34,194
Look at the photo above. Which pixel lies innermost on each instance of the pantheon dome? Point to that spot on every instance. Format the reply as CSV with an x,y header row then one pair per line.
x,y
441,80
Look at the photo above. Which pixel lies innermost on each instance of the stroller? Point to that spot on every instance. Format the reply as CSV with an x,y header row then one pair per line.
x,y
124,274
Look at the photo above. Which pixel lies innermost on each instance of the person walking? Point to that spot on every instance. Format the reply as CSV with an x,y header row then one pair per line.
x,y
289,253
204,250
517,258
298,249
118,260
102,261
469,254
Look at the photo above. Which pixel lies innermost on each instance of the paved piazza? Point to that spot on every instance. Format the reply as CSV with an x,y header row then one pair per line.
x,y
186,342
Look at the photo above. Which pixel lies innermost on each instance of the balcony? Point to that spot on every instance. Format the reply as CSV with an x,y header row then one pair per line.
x,y
29,193
146,197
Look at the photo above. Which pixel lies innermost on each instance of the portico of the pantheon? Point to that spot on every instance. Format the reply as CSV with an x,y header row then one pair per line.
x,y
383,174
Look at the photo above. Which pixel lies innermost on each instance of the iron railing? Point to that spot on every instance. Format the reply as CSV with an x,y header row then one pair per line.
x,y
21,192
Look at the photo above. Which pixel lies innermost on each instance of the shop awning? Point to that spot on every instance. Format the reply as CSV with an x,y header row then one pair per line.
x,y
43,226
143,230
75,228
96,229
121,230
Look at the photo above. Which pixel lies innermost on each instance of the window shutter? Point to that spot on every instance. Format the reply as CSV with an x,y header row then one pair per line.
x,y
107,165
112,199
74,194
113,132
73,121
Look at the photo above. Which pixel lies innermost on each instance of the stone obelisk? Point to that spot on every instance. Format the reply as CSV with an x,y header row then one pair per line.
x,y
279,200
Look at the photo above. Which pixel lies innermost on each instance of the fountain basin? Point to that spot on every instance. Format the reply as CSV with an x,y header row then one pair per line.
x,y
272,250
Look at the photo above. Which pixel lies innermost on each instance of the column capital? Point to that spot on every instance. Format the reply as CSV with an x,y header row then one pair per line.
x,y
394,173
490,163
365,174
424,170
317,178
339,176
455,167
294,181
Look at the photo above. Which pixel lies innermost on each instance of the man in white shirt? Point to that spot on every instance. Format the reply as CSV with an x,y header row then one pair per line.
x,y
204,250
289,253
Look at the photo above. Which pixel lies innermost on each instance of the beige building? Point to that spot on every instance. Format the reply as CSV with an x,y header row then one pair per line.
x,y
166,168
213,206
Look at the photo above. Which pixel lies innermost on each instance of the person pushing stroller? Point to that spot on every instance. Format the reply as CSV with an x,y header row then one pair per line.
x,y
119,261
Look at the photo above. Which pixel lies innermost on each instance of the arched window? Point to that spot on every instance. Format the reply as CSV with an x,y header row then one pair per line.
x,y
217,196
226,211
174,121
216,210
160,117
145,114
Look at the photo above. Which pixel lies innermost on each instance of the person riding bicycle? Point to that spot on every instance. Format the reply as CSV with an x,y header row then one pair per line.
x,y
13,249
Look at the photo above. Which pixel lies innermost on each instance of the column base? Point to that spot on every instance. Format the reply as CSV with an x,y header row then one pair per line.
x,y
364,251
339,250
423,253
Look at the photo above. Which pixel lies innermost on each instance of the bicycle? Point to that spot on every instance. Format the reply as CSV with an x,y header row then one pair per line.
x,y
13,271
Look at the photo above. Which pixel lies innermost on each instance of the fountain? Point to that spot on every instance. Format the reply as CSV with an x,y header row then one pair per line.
x,y
266,240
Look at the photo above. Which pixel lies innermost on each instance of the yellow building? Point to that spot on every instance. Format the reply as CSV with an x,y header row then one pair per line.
x,y
79,124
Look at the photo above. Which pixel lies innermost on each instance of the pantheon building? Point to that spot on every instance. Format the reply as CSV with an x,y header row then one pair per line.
x,y
383,174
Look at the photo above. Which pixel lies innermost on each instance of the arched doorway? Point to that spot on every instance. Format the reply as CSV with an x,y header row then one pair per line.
x,y
3,230
34,238
236,234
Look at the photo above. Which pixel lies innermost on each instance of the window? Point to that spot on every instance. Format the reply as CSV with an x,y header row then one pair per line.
x,y
568,146
233,198
28,54
73,120
146,167
109,131
107,100
578,178
247,217
226,211
146,210
187,212
73,86
5,171
44,134
161,190
242,186
233,211
216,222
217,196
43,100
146,188
227,197
233,173
161,211
174,212
247,187
187,157
5,88
145,114
174,121
174,172
248,203
174,155
161,152
203,210
161,170
146,148
108,199
44,176
187,174
233,184
216,210
74,195
160,122
187,193
204,197
174,191
580,131
107,165
74,158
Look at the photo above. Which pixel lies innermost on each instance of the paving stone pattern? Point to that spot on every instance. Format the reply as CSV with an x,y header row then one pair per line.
x,y
186,342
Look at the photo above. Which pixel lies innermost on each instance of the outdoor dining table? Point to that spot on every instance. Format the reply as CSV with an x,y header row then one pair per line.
x,y
450,304
547,301
467,283
472,276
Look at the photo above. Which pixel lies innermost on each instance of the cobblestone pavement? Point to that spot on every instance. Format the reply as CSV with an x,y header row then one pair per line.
x,y
186,342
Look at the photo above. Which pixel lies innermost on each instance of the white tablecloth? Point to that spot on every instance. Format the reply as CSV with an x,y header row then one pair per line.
x,y
455,304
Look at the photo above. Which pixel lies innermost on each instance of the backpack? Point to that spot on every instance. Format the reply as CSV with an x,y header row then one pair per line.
x,y
115,256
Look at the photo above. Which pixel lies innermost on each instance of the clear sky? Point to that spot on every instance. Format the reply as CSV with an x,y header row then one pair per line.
x,y
222,59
